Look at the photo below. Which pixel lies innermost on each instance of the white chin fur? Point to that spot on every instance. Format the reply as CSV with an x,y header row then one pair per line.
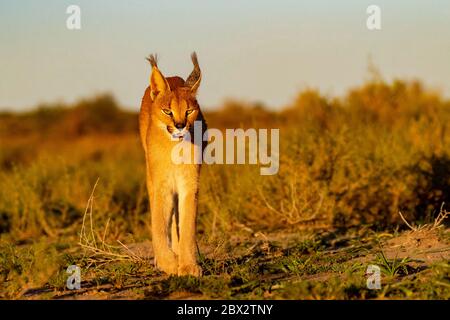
x,y
178,134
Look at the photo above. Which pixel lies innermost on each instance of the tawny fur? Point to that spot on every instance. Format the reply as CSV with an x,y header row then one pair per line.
x,y
172,188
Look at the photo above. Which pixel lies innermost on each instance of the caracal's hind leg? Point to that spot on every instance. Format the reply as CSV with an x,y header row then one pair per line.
x,y
174,239
175,231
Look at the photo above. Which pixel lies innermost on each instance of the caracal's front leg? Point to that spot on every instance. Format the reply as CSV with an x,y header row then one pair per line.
x,y
187,259
161,210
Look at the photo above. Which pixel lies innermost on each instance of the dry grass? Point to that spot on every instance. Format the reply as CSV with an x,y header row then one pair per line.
x,y
96,249
438,221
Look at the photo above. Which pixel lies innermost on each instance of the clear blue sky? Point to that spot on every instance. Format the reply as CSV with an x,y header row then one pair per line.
x,y
253,50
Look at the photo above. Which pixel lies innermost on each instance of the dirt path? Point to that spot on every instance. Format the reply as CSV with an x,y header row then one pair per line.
x,y
292,266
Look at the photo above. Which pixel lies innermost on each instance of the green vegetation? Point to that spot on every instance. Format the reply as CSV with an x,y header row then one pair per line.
x,y
392,267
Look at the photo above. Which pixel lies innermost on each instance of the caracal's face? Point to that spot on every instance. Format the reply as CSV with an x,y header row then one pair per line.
x,y
176,110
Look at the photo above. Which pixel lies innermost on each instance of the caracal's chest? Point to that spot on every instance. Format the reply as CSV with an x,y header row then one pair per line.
x,y
165,169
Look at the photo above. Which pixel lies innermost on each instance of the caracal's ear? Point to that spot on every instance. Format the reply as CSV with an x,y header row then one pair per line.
x,y
193,81
158,84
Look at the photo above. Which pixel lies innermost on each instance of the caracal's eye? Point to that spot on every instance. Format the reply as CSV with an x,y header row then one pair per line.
x,y
189,111
167,111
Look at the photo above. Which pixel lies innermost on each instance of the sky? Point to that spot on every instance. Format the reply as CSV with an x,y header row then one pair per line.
x,y
257,51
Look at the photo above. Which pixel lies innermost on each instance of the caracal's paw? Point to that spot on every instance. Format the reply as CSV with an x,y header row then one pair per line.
x,y
190,270
168,264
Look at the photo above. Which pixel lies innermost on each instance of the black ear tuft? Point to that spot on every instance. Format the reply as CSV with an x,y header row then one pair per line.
x,y
194,59
196,74
153,59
